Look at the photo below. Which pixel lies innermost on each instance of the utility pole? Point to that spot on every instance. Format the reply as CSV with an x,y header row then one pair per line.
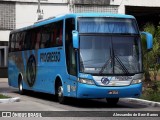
x,y
39,11
71,5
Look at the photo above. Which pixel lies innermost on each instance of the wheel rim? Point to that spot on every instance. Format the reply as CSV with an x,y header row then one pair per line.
x,y
60,91
20,86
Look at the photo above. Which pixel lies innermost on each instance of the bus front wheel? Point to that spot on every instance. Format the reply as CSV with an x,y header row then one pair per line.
x,y
112,101
61,98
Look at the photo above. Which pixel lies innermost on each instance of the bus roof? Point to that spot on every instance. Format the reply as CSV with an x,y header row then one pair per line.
x,y
73,15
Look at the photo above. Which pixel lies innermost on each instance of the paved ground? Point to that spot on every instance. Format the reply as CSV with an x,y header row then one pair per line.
x,y
24,104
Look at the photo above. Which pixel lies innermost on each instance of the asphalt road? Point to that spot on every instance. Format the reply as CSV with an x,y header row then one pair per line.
x,y
34,101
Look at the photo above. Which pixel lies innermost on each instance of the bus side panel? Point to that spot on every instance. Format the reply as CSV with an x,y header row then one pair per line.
x,y
50,63
11,73
28,68
70,86
13,69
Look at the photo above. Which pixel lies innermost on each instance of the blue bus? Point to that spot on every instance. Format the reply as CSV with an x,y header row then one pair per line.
x,y
83,55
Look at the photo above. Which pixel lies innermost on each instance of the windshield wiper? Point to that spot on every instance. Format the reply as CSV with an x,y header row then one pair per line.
x,y
122,65
105,65
124,69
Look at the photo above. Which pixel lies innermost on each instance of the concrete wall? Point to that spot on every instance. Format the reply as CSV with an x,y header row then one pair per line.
x,y
4,35
26,13
43,1
123,3
95,2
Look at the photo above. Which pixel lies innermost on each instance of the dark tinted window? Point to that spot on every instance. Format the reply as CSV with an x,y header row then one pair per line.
x,y
21,40
33,38
38,39
45,36
70,52
57,34
13,39
17,47
50,35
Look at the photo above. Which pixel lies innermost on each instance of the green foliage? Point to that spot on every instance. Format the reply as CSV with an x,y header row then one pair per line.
x,y
152,92
150,58
3,96
151,66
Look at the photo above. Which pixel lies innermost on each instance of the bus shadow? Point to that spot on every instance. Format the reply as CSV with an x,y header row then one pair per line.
x,y
83,103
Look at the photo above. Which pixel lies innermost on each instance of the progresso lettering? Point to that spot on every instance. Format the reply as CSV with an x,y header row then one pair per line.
x,y
123,78
50,57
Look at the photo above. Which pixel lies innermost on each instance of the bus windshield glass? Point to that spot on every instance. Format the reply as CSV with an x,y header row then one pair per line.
x,y
107,25
103,54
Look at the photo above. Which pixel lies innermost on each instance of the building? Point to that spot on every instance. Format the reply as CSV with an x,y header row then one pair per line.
x,y
19,13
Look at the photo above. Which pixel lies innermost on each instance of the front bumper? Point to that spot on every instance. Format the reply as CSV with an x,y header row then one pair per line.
x,y
93,91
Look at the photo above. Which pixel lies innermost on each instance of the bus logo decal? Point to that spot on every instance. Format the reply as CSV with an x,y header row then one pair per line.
x,y
31,70
105,81
50,57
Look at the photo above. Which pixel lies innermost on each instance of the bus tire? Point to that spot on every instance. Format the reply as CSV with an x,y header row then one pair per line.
x,y
112,101
20,86
61,98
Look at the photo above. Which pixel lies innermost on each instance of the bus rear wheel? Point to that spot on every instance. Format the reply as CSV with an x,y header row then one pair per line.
x,y
112,101
20,87
61,97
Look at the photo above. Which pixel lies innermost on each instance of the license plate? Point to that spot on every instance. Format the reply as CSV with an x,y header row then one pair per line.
x,y
113,92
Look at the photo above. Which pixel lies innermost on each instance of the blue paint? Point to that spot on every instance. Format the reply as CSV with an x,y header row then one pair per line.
x,y
149,39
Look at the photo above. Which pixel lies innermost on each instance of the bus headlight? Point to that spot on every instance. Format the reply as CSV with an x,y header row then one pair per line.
x,y
136,81
86,81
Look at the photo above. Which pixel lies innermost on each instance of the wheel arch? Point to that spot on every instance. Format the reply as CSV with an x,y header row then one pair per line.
x,y
58,80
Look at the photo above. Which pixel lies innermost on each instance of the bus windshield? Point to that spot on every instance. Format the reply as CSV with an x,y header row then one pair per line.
x,y
107,25
110,54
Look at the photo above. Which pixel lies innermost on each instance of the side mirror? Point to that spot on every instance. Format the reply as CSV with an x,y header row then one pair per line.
x,y
75,37
149,39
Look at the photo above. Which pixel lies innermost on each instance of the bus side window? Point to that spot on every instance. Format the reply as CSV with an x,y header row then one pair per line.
x,y
53,41
12,42
60,36
33,39
38,40
27,41
21,41
50,36
45,41
57,34
10,36
16,42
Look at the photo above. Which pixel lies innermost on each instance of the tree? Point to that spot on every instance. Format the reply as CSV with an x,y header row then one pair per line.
x,y
151,58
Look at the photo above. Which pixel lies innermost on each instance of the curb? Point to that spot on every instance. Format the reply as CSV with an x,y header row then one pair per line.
x,y
10,100
147,102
